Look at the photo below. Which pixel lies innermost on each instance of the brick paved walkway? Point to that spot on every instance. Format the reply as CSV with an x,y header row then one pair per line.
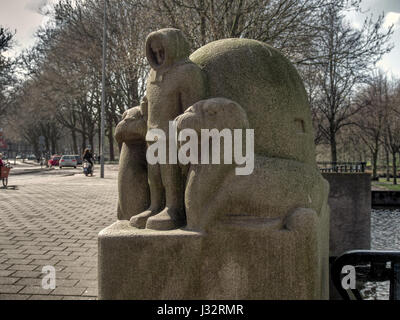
x,y
53,219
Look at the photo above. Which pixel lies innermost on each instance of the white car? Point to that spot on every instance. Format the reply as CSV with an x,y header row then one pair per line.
x,y
68,161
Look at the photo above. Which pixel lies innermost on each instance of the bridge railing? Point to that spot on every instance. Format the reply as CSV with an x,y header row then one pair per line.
x,y
342,167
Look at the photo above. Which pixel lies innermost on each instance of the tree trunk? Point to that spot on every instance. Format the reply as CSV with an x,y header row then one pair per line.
x,y
333,148
54,145
99,137
394,168
111,143
374,165
74,141
387,165
91,139
83,146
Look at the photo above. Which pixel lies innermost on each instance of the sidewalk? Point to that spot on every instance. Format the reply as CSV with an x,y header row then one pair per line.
x,y
26,167
53,220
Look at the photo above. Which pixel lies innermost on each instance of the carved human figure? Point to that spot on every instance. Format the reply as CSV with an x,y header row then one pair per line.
x,y
174,84
132,176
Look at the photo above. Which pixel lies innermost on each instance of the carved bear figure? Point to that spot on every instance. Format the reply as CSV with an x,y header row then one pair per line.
x,y
267,198
133,189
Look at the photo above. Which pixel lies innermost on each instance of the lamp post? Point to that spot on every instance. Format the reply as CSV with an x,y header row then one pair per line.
x,y
103,95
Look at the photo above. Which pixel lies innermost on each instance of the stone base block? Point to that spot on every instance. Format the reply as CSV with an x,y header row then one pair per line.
x,y
144,265
225,265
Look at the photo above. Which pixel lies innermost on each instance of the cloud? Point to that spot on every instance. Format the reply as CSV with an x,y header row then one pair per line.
x,y
379,6
36,5
392,18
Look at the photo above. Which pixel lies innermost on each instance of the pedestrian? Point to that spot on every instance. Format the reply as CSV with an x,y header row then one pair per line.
x,y
87,155
1,160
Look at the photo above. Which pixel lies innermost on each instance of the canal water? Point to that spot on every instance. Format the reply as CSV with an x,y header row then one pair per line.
x,y
385,235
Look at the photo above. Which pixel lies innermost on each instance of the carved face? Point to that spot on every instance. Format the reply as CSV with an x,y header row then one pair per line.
x,y
158,51
132,128
217,113
166,47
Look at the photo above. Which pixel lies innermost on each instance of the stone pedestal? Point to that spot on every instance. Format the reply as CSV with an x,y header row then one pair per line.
x,y
350,219
229,263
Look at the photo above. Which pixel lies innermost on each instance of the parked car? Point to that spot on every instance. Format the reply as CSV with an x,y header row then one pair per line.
x,y
54,161
68,161
78,159
31,157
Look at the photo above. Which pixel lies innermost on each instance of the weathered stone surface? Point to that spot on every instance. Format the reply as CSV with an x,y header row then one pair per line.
x,y
350,203
146,265
269,89
174,84
262,236
275,189
133,191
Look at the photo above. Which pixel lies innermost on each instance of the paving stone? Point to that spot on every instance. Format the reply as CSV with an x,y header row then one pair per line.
x,y
35,290
43,263
15,297
90,292
17,256
4,266
19,261
40,256
10,288
83,276
17,267
66,291
27,274
6,273
71,298
32,282
66,283
8,280
67,258
54,220
45,297
37,252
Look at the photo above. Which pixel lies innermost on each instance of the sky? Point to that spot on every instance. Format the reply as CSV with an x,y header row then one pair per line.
x,y
391,62
24,17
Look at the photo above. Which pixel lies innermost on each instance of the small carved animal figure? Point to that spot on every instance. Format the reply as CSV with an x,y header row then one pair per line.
x,y
276,195
133,189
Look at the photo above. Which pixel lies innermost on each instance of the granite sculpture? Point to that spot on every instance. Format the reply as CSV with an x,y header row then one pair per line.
x,y
209,233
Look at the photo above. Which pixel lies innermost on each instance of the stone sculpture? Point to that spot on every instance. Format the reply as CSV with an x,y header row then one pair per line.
x,y
261,236
174,84
276,189
133,191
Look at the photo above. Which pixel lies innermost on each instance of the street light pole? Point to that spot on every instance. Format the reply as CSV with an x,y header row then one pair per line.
x,y
103,95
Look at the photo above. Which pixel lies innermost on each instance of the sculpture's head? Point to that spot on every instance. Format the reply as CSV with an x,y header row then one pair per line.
x,y
132,128
216,113
166,47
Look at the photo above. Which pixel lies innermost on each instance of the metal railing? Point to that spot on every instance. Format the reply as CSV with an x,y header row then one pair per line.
x,y
371,266
342,167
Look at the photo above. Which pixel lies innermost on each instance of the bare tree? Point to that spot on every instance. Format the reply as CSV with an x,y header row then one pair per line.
x,y
6,68
345,56
370,124
393,125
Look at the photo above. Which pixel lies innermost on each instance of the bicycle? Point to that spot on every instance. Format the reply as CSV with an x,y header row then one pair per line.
x,y
4,173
